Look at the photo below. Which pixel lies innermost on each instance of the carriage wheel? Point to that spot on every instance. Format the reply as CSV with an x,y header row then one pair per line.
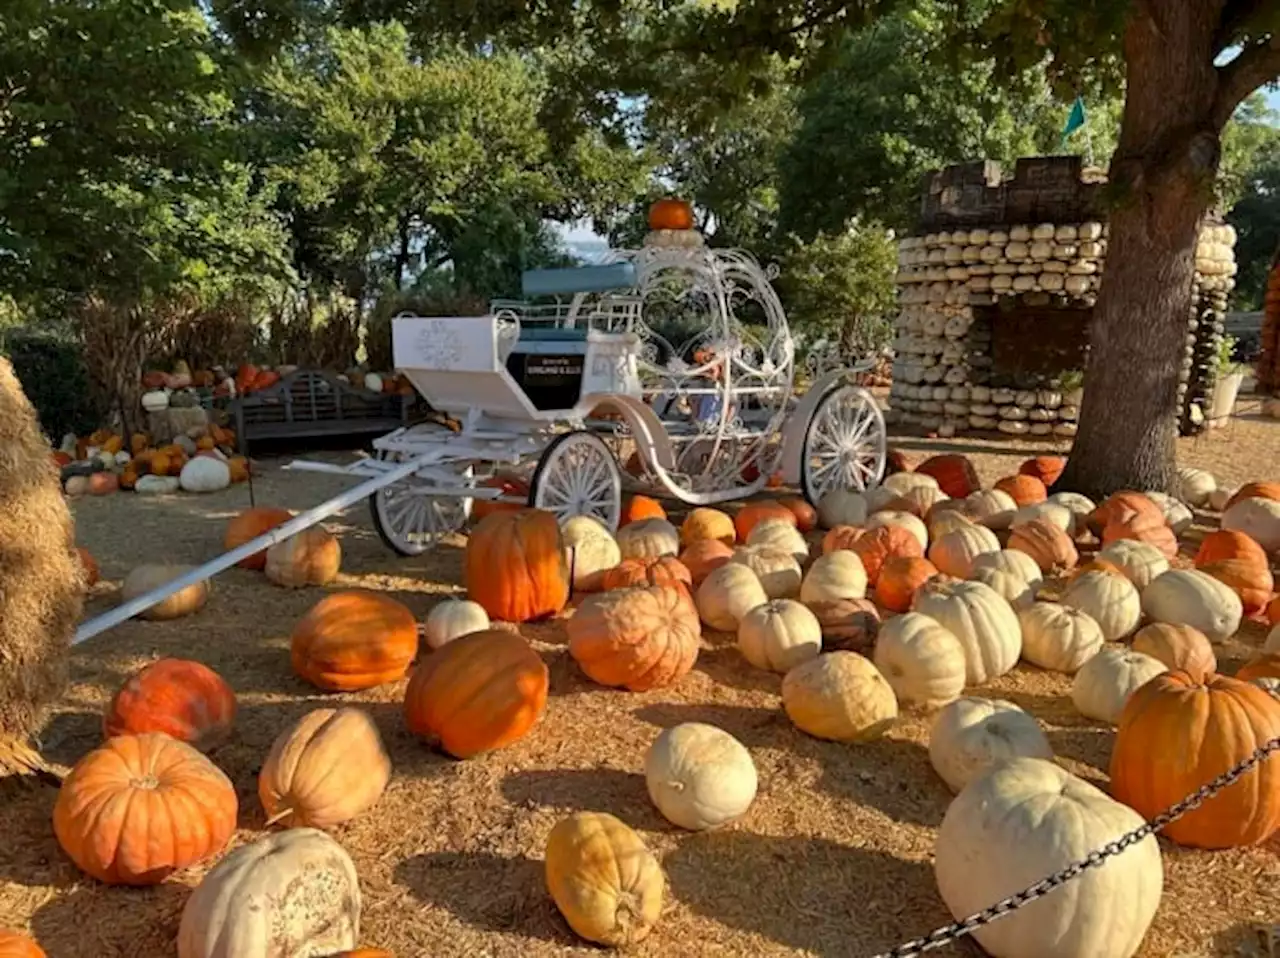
x,y
578,476
844,446
409,521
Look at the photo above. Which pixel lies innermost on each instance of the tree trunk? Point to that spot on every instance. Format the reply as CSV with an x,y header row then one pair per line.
x,y
1162,176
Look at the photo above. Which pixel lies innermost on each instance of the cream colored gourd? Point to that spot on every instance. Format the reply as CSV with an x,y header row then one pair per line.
x,y
1190,597
971,735
906,520
648,539
699,776
1139,561
942,521
1054,512
452,619
839,696
1014,562
589,550
727,594
922,662
779,635
1025,820
1195,486
1219,498
204,474
953,554
901,483
1108,599
836,575
842,507
1058,637
921,499
1079,506
1105,682
984,623
1259,519
1176,514
185,601
780,535
1007,585
325,769
292,893
993,508
778,571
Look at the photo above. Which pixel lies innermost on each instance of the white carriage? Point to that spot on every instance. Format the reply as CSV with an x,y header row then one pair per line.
x,y
675,359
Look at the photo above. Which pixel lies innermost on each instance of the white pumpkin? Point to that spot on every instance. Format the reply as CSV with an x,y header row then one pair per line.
x,y
906,520
1219,498
837,575
1053,512
781,536
1015,563
373,382
777,569
953,554
699,776
1257,518
727,594
589,550
1079,506
204,474
839,696
942,521
1141,562
155,400
779,635
900,483
294,892
1195,486
984,623
648,539
993,508
1058,637
842,507
922,662
1109,599
1190,597
1027,819
971,735
1007,585
452,619
156,485
1105,682
1176,515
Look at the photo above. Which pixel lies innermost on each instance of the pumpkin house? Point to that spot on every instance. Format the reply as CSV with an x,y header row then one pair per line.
x,y
996,290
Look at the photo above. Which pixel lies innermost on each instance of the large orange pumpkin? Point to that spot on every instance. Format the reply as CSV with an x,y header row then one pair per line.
x,y
899,578
642,507
1023,489
753,513
515,566
659,570
1141,527
250,524
670,214
954,474
141,807
841,537
638,639
354,640
1177,733
1045,468
1229,544
806,515
183,699
1121,507
1255,490
14,945
1050,547
90,566
477,693
877,546
703,557
1250,580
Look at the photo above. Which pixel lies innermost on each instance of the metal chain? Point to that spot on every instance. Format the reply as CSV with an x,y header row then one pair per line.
x,y
957,930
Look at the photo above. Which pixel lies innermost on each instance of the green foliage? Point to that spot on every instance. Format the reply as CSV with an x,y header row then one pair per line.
x,y
1256,218
50,364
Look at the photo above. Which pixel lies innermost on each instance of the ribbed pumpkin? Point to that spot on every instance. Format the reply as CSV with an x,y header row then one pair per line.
x,y
1024,490
954,553
1179,732
1138,562
836,575
14,945
754,512
1179,647
311,557
1050,547
141,807
779,635
898,580
354,640
922,662
839,696
648,538
920,500
901,520
703,523
250,524
993,508
478,693
1119,506
954,474
1255,490
515,566
629,573
1228,544
1058,637
182,699
638,639
1045,468
1141,527
841,537
704,556
1110,600
641,507
980,619
877,546
727,594
1252,582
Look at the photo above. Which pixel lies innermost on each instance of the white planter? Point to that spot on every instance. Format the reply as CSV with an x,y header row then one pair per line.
x,y
1223,400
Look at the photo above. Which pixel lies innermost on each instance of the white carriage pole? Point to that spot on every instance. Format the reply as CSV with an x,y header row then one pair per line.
x,y
109,620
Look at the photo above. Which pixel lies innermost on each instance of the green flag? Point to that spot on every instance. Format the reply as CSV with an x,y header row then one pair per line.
x,y
1075,120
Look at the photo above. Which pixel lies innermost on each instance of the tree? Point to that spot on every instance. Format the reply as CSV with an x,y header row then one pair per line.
x,y
1251,168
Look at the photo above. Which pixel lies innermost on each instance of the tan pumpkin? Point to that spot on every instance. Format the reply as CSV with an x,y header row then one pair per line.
x,y
993,508
850,625
185,601
954,553
727,594
836,575
1007,585
1050,547
648,539
604,880
311,557
984,624
638,639
1140,562
921,499
589,550
1058,637
1017,564
703,523
630,573
971,736
1104,683
940,520
1189,597
779,635
922,661
904,520
839,696
1110,600
780,536
1080,507
1179,647
325,769
778,571
1054,512
703,557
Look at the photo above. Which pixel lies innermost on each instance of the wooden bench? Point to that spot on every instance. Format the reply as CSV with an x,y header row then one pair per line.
x,y
308,403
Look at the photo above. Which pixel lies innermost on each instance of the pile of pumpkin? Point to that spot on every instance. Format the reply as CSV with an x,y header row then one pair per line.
x,y
101,463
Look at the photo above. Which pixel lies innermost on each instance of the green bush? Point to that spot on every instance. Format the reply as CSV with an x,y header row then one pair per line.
x,y
50,365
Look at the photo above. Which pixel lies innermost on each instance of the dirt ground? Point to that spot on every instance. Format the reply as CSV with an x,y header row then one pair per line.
x,y
834,857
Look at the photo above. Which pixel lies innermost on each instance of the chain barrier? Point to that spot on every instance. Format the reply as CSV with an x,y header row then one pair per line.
x,y
957,930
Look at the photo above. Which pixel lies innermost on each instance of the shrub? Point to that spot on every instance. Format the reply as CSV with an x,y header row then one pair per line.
x,y
50,364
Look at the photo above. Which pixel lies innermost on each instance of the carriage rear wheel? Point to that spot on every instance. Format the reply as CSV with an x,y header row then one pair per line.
x,y
410,520
578,476
844,446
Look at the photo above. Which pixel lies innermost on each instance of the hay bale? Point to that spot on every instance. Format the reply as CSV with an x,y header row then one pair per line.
x,y
41,580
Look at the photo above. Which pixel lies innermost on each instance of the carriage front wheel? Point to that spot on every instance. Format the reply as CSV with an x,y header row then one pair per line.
x,y
578,476
844,445
408,519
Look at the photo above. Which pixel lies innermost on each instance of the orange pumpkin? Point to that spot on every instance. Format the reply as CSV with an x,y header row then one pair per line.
x,y
103,483
641,507
244,376
1229,544
158,463
202,378
515,566
1178,647
89,565
703,523
1098,564
638,639
250,524
239,468
1121,506
60,459
877,546
898,580
182,699
511,487
1256,490
954,474
1177,733
1141,527
1247,579
1265,665
753,513
365,953
129,476
477,693
1050,547
1045,468
264,379
14,945
354,640
222,436
141,807
113,444
703,557
841,537
661,571
138,442
670,214
1023,489
310,557
806,515
204,443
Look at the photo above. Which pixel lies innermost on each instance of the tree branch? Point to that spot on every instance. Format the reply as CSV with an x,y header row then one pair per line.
x,y
1235,19
1255,66
746,39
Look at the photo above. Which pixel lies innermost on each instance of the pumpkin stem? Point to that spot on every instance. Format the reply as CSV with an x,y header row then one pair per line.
x,y
278,816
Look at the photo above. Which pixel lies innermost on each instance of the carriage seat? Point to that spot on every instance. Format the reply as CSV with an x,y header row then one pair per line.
x,y
578,279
